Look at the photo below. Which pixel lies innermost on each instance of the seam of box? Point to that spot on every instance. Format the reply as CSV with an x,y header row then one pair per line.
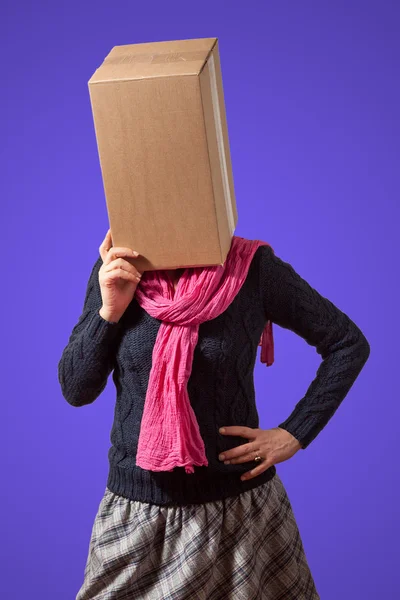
x,y
140,78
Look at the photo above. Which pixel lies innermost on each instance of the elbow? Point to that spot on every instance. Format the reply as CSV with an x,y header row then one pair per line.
x,y
77,400
81,393
77,395
72,400
352,345
364,348
360,349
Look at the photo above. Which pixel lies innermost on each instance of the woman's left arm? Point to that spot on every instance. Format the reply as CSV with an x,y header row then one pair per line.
x,y
290,302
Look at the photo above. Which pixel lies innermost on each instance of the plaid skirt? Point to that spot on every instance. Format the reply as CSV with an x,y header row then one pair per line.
x,y
245,547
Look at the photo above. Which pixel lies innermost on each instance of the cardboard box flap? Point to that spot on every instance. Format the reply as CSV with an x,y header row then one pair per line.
x,y
156,59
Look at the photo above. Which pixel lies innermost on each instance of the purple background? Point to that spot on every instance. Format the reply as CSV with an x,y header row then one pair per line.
x,y
312,99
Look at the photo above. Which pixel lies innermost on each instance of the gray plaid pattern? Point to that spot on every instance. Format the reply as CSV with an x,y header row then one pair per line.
x,y
246,547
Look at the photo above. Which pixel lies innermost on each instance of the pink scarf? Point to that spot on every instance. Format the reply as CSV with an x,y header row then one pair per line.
x,y
169,434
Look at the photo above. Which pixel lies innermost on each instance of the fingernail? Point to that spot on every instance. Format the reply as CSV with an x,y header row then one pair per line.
x,y
222,456
222,430
135,253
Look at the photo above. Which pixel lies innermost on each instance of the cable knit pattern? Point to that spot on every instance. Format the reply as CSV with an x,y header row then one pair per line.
x,y
221,385
293,304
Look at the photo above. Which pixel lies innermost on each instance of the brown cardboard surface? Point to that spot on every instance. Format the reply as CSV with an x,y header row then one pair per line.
x,y
161,131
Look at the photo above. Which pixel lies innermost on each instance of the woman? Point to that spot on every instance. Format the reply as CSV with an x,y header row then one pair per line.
x,y
191,511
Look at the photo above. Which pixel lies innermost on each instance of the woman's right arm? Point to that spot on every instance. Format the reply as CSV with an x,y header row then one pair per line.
x,y
88,358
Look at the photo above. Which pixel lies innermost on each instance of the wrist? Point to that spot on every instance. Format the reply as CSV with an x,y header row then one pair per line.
x,y
108,315
294,443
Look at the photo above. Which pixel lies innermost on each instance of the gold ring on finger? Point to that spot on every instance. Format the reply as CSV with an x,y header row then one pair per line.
x,y
257,458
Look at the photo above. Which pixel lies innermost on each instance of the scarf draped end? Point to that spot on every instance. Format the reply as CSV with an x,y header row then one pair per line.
x,y
267,345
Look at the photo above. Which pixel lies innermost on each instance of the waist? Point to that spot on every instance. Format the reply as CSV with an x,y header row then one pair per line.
x,y
180,488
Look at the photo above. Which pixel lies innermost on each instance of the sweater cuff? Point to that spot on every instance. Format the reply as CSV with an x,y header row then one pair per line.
x,y
99,329
303,428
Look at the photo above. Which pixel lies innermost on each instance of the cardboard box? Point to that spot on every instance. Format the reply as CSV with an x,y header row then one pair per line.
x,y
160,123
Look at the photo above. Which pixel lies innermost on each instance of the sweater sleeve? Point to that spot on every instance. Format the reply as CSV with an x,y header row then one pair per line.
x,y
290,302
88,358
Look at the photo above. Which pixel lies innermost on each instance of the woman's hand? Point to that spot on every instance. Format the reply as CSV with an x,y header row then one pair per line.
x,y
118,279
273,445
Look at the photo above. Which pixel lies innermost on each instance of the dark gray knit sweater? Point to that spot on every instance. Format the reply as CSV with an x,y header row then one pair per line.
x,y
221,386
